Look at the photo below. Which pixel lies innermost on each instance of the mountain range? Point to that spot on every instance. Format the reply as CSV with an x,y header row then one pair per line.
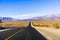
x,y
46,17
7,18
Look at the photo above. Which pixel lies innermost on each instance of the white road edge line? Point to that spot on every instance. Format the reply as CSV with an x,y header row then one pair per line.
x,y
4,30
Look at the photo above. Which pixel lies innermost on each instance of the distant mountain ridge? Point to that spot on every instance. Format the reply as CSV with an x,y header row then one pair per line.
x,y
52,17
7,18
46,17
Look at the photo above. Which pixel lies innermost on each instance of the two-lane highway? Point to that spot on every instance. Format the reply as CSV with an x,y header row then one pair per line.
x,y
24,33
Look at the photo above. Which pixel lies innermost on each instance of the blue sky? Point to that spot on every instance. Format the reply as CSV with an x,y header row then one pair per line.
x,y
22,9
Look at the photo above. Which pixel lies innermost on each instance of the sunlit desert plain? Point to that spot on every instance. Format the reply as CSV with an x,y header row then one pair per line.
x,y
50,29
37,23
12,24
47,23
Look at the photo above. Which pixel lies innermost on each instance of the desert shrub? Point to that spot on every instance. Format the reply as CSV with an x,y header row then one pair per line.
x,y
2,27
8,25
46,25
0,23
36,25
40,25
56,25
43,25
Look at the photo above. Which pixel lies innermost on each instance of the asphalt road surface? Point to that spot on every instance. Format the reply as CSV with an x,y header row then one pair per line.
x,y
24,33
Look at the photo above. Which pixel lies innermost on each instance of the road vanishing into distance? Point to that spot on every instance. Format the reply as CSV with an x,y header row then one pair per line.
x,y
23,33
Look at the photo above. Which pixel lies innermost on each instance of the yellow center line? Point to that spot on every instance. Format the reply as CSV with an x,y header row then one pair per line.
x,y
13,34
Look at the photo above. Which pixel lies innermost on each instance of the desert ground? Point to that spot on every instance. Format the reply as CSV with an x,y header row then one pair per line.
x,y
37,23
47,23
50,29
12,24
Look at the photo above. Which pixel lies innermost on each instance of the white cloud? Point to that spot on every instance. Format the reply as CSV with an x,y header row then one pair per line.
x,y
25,16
